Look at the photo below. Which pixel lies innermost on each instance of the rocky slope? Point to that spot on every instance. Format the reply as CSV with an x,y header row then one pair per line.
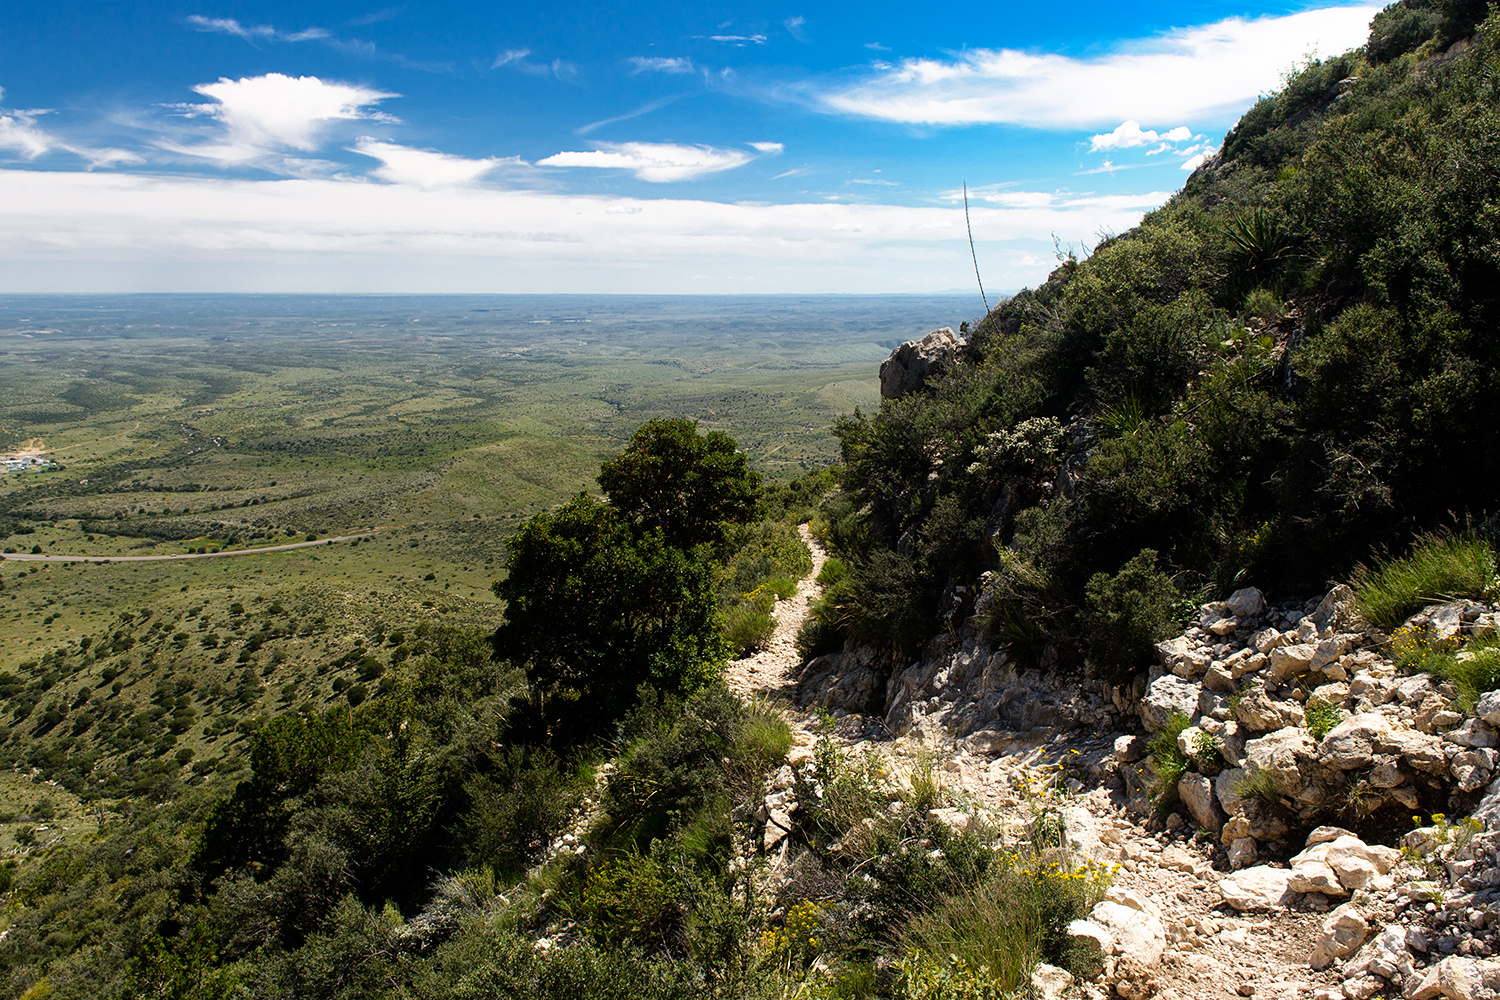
x,y
1254,883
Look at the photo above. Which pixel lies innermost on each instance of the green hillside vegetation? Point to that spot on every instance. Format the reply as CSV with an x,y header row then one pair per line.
x,y
1285,370
415,839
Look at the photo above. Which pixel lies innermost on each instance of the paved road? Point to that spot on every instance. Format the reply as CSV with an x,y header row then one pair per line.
x,y
28,557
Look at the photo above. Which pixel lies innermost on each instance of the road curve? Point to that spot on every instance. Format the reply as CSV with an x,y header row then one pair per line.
x,y
28,557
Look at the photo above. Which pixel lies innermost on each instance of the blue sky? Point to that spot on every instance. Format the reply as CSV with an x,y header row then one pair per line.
x,y
591,147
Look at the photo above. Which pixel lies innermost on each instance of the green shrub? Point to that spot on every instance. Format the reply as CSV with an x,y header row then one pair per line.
x,y
1016,917
748,628
1321,717
1127,613
826,625
834,570
1439,567
516,804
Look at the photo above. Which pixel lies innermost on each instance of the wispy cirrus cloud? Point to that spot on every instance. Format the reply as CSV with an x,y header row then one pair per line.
x,y
656,162
253,32
517,59
21,136
659,64
1187,74
267,114
644,109
739,41
794,26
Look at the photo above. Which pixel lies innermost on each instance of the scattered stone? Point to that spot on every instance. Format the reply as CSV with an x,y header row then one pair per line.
x,y
1340,934
1166,696
1259,888
1197,793
1246,603
1048,982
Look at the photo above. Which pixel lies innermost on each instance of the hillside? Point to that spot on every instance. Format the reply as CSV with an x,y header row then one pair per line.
x,y
1073,708
1282,372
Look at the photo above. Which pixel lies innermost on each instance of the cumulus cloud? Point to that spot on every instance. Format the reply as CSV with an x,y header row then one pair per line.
x,y
657,162
658,64
253,33
71,229
426,168
263,114
1130,134
1187,74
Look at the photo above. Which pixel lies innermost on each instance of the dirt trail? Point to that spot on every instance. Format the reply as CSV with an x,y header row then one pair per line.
x,y
770,671
28,557
1213,953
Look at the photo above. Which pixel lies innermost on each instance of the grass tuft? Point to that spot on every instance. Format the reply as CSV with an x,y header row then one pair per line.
x,y
1440,567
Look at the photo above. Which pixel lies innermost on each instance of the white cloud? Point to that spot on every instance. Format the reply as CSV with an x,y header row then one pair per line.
x,y
1194,162
1129,134
769,148
516,60
75,230
263,114
253,33
877,47
425,168
657,162
19,134
658,64
793,26
739,41
1187,74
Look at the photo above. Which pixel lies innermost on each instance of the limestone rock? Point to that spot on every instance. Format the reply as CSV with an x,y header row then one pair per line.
x,y
1326,834
1354,742
1290,661
1341,934
1337,611
1246,603
1284,756
1048,982
1197,793
1226,788
1165,696
1095,941
1259,888
1457,979
1488,708
1137,930
1261,713
914,362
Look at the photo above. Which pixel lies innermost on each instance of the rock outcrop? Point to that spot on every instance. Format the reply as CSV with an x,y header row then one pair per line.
x,y
914,362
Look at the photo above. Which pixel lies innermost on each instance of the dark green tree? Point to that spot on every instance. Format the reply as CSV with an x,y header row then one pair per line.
x,y
682,482
595,609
